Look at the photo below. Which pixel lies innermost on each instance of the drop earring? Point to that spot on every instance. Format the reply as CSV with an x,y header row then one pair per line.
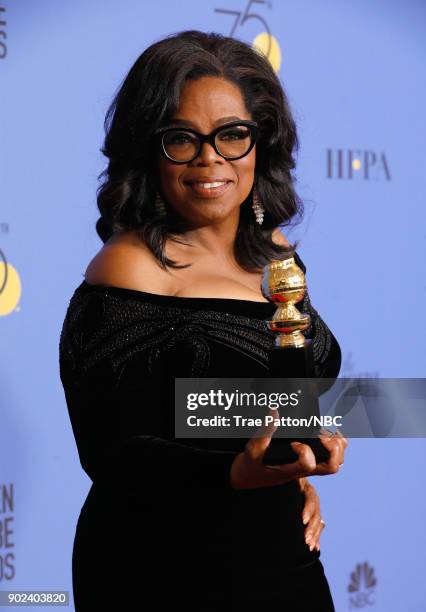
x,y
258,208
159,205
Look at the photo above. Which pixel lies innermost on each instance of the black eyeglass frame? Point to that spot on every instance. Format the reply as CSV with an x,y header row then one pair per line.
x,y
210,138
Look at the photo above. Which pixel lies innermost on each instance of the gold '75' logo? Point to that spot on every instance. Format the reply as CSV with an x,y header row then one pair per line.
x,y
242,17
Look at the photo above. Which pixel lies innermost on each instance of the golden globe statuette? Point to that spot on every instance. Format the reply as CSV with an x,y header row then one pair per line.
x,y
284,284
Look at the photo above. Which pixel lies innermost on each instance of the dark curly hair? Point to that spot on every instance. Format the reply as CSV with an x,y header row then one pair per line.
x,y
147,99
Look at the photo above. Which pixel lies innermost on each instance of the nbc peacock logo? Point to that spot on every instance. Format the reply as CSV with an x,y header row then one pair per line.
x,y
361,586
10,287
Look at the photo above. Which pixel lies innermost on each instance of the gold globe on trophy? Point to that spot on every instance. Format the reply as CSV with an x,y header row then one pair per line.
x,y
284,284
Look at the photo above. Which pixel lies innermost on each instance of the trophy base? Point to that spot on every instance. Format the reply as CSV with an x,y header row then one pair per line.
x,y
294,362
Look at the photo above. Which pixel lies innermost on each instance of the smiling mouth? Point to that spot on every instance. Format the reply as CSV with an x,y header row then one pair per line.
x,y
209,189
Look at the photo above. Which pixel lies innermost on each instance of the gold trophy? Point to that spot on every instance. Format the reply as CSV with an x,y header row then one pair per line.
x,y
284,284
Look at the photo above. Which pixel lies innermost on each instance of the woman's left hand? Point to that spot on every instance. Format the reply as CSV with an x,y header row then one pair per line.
x,y
311,515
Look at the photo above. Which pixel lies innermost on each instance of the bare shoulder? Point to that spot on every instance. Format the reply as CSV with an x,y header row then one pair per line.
x,y
279,238
124,261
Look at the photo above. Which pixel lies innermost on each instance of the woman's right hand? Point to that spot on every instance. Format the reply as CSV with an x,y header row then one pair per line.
x,y
248,470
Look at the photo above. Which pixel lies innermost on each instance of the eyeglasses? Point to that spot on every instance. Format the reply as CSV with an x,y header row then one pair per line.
x,y
230,141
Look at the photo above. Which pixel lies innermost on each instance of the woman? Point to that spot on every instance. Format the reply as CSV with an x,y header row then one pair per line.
x,y
199,140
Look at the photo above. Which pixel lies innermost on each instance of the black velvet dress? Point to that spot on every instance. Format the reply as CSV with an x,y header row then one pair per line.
x,y
161,523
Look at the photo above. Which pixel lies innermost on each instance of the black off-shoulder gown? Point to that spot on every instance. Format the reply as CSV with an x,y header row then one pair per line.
x,y
161,524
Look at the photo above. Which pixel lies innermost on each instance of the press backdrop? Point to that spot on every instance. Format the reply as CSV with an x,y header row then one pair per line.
x,y
354,73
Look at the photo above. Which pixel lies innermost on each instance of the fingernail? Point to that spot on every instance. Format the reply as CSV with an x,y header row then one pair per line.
x,y
305,519
308,537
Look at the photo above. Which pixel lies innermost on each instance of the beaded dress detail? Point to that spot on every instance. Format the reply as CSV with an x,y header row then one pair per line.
x,y
119,352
